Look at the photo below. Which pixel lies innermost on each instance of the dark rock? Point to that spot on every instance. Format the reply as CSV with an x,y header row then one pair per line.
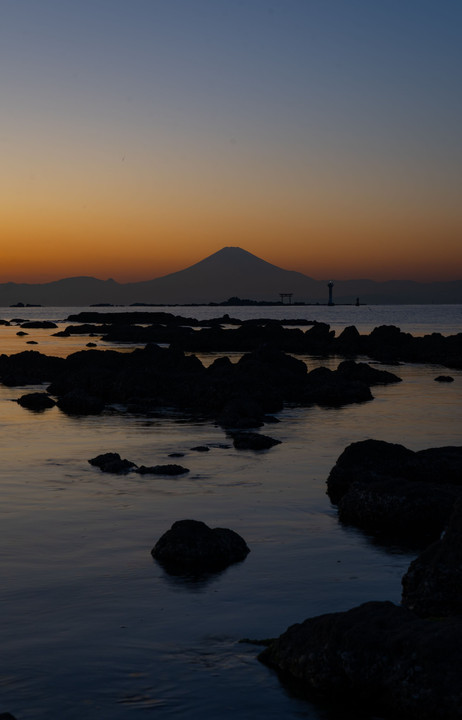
x,y
276,369
253,441
330,388
112,463
378,658
367,374
222,367
395,493
387,342
176,454
131,317
201,448
91,345
21,333
349,342
190,546
241,412
397,509
170,469
36,401
319,338
78,402
432,585
32,342
441,465
39,324
29,367
444,379
365,459
80,330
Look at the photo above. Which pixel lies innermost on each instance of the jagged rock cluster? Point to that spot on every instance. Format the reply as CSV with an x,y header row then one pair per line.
x,y
238,395
386,343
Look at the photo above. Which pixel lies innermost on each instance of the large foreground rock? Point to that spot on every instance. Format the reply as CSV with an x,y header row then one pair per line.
x,y
395,493
433,584
378,657
190,546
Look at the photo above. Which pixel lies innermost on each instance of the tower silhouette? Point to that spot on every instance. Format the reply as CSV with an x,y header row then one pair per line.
x,y
330,285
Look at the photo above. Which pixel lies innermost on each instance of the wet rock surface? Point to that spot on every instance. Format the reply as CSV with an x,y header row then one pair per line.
x,y
377,657
190,546
396,493
432,586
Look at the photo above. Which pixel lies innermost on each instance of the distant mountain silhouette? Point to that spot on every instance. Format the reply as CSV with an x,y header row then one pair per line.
x,y
230,272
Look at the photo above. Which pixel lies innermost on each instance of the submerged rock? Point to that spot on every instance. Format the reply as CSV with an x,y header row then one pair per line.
x,y
444,379
112,463
377,657
253,441
190,546
170,469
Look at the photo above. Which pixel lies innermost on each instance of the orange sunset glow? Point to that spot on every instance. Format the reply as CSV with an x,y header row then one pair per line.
x,y
142,156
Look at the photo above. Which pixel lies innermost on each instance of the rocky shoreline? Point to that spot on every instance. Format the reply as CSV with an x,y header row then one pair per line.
x,y
386,343
400,661
239,395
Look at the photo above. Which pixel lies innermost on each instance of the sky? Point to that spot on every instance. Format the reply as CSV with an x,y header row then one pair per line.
x,y
139,136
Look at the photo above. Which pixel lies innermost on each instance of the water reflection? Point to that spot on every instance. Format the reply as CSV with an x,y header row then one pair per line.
x,y
93,627
194,582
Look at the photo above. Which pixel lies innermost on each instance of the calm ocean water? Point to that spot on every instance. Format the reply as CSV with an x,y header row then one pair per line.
x,y
92,628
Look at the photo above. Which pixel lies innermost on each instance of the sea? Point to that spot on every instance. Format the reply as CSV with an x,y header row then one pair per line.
x,y
93,628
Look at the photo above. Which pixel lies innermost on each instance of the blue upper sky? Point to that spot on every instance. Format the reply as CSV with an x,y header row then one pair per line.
x,y
350,108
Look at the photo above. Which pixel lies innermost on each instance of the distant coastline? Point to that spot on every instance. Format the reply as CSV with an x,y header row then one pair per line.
x,y
231,273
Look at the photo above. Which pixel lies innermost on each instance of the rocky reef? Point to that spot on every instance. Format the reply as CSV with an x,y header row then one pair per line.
x,y
245,394
386,343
